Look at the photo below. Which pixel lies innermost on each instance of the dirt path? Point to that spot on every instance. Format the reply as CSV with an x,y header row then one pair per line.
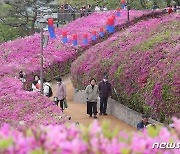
x,y
78,110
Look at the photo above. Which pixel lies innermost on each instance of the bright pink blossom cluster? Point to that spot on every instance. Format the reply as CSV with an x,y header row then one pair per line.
x,y
23,107
142,63
95,139
24,54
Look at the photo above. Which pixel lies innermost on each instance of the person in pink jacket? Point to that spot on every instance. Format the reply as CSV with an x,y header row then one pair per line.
x,y
61,92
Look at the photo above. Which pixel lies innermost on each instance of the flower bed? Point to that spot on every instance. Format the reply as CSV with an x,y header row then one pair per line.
x,y
95,139
19,106
143,66
24,54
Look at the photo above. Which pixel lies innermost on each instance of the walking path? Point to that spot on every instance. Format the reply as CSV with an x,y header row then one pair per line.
x,y
77,111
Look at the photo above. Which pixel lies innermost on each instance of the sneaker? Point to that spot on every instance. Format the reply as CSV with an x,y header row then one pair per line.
x,y
95,117
100,114
105,114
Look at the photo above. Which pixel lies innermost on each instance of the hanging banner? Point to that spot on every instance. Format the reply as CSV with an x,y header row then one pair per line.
x,y
75,43
85,40
93,35
101,32
51,28
123,4
64,39
118,14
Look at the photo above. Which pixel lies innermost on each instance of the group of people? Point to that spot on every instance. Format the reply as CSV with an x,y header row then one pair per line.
x,y
36,86
60,97
98,8
88,9
93,91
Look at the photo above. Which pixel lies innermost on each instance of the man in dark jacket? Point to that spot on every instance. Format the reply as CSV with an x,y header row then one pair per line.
x,y
104,92
144,122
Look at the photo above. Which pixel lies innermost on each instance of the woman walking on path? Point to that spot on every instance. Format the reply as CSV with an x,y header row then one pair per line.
x,y
61,92
92,96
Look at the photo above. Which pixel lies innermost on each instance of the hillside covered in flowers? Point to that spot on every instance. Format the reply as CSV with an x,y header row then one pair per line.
x,y
17,105
143,64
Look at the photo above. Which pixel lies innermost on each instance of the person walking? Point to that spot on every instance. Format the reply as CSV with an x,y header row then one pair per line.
x,y
61,92
47,91
105,91
92,96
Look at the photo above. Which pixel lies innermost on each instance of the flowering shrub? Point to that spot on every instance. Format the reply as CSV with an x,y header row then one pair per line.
x,y
24,54
18,106
95,139
143,66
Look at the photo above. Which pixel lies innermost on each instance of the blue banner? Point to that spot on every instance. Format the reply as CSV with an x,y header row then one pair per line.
x,y
111,29
65,40
118,14
75,43
85,41
51,31
123,6
101,34
94,37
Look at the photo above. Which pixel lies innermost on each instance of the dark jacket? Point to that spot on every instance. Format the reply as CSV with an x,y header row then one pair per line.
x,y
141,125
104,89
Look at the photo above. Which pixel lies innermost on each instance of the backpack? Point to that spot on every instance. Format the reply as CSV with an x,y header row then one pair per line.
x,y
50,94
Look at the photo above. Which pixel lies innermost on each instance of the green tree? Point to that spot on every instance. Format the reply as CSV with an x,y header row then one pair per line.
x,y
14,13
10,33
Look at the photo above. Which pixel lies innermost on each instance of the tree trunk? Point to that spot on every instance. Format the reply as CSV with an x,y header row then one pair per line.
x,y
168,2
177,2
143,3
33,22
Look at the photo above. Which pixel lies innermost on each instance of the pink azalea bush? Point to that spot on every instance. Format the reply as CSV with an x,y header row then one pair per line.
x,y
95,139
17,105
24,53
143,66
23,107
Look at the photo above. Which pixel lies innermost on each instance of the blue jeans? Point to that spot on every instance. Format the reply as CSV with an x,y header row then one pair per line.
x,y
103,104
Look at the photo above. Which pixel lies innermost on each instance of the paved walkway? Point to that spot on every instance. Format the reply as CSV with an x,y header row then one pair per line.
x,y
78,110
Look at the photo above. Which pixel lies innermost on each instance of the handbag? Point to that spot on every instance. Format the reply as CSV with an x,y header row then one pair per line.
x,y
65,103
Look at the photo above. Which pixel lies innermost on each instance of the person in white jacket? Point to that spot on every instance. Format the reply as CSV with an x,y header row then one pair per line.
x,y
46,86
97,9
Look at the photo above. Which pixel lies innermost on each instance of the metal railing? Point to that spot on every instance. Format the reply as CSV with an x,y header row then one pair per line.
x,y
63,17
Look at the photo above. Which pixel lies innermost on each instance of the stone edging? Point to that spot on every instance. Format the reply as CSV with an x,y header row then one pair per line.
x,y
116,109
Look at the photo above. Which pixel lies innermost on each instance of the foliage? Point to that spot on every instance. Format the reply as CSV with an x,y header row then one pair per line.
x,y
112,4
24,107
143,66
94,139
15,13
23,54
10,33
